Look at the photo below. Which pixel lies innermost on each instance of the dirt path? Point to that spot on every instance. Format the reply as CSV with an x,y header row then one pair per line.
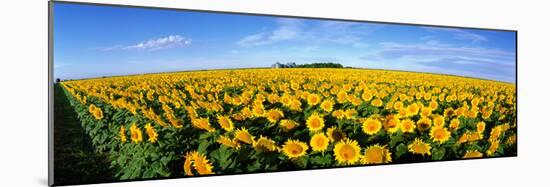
x,y
75,160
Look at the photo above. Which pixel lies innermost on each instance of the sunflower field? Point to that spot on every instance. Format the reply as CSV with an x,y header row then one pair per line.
x,y
256,120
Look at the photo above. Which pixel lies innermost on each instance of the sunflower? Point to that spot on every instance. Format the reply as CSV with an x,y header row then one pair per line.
x,y
412,109
480,127
315,122
338,114
407,126
319,142
376,102
313,99
434,104
342,97
296,105
423,124
188,163
371,126
294,148
398,105
449,112
335,134
350,113
347,152
495,133
224,140
472,154
243,136
511,140
376,154
455,123
151,133
440,134
91,108
202,123
258,111
226,123
264,144
493,148
285,100
327,105
392,124
202,164
136,134
419,147
122,134
425,112
274,115
438,121
366,96
287,124
273,98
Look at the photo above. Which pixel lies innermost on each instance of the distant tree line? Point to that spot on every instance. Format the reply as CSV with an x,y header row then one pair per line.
x,y
320,65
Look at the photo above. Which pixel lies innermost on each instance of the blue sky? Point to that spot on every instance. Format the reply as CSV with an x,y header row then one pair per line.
x,y
93,41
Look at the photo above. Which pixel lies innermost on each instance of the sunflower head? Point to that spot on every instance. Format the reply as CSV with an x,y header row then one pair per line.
x,y
335,134
264,144
136,134
122,134
98,113
472,154
455,123
376,154
226,141
426,112
392,123
319,142
449,112
226,123
371,126
296,105
439,121
347,152
243,136
423,124
201,164
338,114
397,105
202,123
377,102
151,133
294,148
313,99
287,124
327,105
412,109
350,113
480,127
408,126
274,115
440,134
258,111
420,147
315,122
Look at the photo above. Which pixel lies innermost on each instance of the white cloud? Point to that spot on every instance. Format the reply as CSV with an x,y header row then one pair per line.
x,y
313,32
436,57
287,29
171,41
167,42
459,34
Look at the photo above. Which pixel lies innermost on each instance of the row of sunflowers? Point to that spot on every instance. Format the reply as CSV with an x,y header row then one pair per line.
x,y
254,120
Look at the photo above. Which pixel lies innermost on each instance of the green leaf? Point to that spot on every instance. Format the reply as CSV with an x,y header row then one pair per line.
x,y
203,146
394,139
400,150
438,154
